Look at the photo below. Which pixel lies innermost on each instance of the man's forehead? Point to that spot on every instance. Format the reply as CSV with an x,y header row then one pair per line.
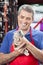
x,y
25,13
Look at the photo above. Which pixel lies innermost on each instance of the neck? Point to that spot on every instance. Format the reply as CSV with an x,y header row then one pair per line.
x,y
26,31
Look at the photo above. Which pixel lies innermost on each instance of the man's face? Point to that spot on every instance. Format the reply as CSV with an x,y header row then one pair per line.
x,y
24,20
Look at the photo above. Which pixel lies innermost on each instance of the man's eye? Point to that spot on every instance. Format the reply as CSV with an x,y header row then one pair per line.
x,y
22,17
28,18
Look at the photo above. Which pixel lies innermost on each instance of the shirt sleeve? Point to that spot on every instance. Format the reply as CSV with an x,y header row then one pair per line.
x,y
38,39
5,46
41,43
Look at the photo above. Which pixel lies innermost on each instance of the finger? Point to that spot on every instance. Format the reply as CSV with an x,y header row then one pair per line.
x,y
22,45
21,50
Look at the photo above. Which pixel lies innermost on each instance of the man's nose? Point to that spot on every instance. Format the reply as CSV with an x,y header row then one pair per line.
x,y
24,20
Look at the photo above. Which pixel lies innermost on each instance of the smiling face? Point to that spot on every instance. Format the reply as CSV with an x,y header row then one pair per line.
x,y
24,20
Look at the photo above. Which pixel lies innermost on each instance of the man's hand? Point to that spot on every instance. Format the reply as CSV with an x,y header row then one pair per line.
x,y
20,42
23,46
20,49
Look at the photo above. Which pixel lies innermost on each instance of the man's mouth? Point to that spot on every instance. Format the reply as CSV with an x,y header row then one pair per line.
x,y
24,25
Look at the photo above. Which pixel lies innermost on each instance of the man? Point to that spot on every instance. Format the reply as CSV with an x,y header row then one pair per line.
x,y
32,41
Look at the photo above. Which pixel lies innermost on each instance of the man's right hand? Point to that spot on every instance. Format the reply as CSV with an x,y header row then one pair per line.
x,y
20,49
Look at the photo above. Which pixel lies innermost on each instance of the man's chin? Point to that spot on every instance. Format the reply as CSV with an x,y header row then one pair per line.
x,y
24,29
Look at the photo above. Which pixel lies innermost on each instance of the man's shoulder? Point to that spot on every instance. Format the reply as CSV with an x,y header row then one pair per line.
x,y
37,32
38,38
10,32
37,35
